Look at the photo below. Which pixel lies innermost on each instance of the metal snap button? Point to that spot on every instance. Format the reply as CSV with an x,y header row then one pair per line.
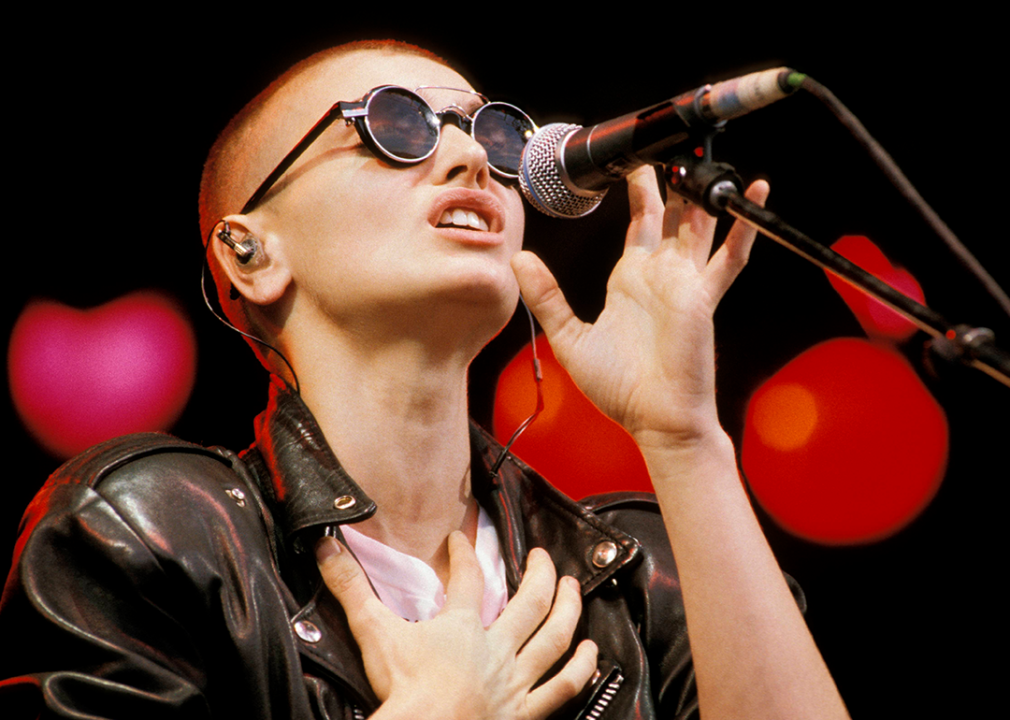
x,y
308,631
237,495
604,553
344,502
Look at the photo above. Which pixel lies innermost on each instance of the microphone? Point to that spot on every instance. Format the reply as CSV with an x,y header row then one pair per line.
x,y
566,169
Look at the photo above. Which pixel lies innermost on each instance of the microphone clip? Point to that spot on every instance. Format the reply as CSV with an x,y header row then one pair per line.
x,y
705,183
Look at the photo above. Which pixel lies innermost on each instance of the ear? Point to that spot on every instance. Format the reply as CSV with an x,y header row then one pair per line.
x,y
252,259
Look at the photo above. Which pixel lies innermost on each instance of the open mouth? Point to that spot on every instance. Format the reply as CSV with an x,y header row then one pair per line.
x,y
461,218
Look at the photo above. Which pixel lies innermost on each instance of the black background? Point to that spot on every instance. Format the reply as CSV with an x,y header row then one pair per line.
x,y
110,116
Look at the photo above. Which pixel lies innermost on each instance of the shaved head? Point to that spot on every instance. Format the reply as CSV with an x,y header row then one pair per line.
x,y
244,153
252,144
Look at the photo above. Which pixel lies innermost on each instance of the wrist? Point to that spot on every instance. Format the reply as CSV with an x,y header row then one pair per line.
x,y
421,706
704,434
678,459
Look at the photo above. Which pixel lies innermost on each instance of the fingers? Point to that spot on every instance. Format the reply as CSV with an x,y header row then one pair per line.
x,y
732,255
647,211
689,228
348,583
564,686
524,613
552,640
466,580
401,657
695,233
546,301
680,222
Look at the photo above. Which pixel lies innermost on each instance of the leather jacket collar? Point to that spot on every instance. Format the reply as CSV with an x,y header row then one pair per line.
x,y
310,489
307,484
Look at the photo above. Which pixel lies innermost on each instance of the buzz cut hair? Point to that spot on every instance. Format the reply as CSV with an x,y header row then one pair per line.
x,y
223,179
225,182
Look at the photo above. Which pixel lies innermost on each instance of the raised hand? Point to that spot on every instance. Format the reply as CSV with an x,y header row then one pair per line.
x,y
451,666
648,360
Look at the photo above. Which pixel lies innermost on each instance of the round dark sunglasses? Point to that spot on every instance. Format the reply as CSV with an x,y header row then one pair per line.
x,y
400,126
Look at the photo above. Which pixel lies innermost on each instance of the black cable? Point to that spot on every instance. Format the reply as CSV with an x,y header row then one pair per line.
x,y
893,173
229,324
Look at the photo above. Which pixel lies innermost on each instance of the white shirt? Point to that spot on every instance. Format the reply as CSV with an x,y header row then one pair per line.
x,y
411,589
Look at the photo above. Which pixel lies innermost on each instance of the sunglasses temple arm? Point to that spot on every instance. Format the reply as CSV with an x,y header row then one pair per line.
x,y
335,112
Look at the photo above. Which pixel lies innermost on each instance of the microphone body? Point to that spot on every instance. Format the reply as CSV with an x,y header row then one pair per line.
x,y
566,169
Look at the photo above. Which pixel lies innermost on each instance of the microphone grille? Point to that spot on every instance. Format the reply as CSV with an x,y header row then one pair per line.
x,y
540,176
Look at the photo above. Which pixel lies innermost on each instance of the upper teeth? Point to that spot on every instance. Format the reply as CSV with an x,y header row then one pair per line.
x,y
463,218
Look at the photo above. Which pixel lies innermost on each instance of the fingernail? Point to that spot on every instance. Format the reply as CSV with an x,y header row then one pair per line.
x,y
327,547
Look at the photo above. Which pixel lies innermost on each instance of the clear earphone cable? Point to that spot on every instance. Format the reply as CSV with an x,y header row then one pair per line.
x,y
229,324
539,378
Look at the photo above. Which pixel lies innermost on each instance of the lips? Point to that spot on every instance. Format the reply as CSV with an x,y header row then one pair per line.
x,y
469,210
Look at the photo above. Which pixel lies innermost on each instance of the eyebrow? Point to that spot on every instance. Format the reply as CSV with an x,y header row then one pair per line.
x,y
479,99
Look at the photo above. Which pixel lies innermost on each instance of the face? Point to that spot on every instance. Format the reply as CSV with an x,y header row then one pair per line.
x,y
364,239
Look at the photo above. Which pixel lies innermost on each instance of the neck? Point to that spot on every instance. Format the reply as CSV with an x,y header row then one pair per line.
x,y
395,414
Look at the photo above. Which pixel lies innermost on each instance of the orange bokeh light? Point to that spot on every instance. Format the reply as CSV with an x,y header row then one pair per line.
x,y
786,416
844,444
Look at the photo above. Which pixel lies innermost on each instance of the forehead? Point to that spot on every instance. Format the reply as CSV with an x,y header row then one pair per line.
x,y
306,97
351,76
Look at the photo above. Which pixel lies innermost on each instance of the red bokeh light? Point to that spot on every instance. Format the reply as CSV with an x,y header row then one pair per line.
x,y
877,319
575,446
79,377
844,444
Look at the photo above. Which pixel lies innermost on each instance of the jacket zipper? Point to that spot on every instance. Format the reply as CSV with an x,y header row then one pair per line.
x,y
602,695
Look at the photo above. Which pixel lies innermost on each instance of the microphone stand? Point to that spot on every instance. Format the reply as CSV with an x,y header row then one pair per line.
x,y
717,188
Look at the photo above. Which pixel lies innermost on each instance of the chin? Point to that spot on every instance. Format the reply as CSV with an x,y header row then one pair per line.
x,y
483,284
488,306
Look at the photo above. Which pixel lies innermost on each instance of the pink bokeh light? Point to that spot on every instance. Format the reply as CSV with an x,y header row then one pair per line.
x,y
79,377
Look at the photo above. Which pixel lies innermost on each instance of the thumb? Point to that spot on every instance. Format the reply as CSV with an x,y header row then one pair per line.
x,y
348,583
545,300
466,581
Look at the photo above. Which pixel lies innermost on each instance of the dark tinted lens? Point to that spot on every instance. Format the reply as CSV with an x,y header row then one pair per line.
x,y
503,131
401,123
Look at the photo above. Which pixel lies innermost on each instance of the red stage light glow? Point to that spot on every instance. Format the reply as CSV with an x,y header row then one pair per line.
x,y
844,444
877,319
574,445
79,377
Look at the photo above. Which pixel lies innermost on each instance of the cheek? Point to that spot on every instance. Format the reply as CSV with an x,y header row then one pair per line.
x,y
340,205
337,212
516,214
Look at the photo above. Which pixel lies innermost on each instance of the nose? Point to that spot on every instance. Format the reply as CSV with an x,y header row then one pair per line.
x,y
460,159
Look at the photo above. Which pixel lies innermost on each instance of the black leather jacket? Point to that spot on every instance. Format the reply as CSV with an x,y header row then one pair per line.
x,y
155,578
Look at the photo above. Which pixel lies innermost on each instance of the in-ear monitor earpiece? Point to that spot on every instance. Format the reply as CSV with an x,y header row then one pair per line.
x,y
246,250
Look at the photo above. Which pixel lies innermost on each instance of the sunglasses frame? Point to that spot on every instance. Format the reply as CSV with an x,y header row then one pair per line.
x,y
356,112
